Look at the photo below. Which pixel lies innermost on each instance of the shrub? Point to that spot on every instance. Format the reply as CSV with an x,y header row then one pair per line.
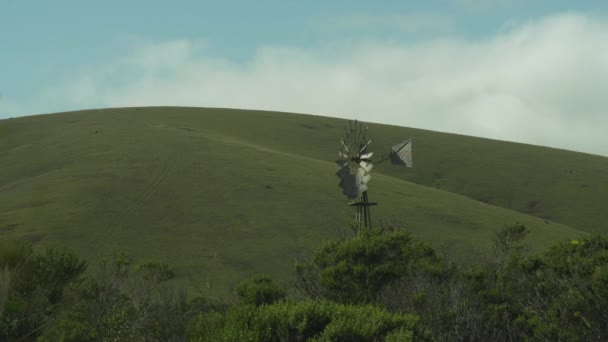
x,y
55,269
308,320
123,302
32,286
563,295
259,290
354,271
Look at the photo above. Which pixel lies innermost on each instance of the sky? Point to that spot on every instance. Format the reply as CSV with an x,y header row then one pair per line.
x,y
533,71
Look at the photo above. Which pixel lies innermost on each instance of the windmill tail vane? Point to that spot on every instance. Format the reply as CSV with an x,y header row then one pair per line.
x,y
355,165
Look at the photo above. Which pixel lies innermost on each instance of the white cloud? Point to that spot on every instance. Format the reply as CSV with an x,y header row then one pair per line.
x,y
541,82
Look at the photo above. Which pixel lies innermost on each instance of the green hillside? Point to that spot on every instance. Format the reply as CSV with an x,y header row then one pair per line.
x,y
553,184
224,193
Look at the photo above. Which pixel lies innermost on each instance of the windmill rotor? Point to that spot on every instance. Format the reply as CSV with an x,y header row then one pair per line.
x,y
355,162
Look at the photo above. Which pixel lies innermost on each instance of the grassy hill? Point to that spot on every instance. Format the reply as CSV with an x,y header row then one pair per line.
x,y
224,193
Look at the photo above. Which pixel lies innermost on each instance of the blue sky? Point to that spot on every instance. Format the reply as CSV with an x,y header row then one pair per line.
x,y
527,71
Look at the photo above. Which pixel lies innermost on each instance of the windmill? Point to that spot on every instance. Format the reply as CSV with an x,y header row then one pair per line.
x,y
355,165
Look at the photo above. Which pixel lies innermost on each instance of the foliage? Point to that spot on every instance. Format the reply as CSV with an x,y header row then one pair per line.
x,y
32,286
465,302
508,241
308,320
124,303
354,271
382,284
5,285
563,294
259,290
57,268
560,295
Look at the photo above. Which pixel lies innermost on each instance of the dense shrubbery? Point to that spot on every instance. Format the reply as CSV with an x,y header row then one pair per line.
x,y
32,285
382,284
354,271
259,290
560,295
124,303
563,295
307,320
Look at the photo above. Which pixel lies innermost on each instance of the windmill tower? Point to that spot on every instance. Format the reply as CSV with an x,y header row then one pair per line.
x,y
355,165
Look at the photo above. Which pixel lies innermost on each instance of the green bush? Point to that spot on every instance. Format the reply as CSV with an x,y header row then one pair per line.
x,y
259,290
70,327
55,269
380,285
124,303
154,270
307,320
563,294
354,271
32,286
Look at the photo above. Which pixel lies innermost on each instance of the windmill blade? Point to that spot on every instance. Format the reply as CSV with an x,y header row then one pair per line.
x,y
364,148
349,188
353,184
366,178
344,146
344,168
366,166
401,154
347,182
367,156
362,178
